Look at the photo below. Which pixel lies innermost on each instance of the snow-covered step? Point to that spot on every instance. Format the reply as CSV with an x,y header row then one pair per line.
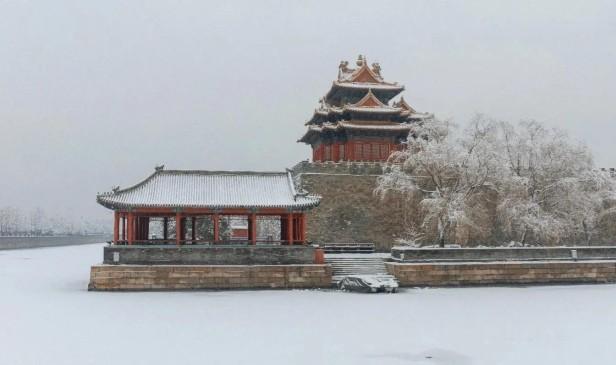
x,y
348,247
345,264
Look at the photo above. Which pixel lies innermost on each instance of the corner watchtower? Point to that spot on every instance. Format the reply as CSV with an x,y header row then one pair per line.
x,y
356,120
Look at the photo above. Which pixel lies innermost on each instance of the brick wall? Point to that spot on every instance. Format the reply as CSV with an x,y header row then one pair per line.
x,y
349,211
183,277
504,273
209,255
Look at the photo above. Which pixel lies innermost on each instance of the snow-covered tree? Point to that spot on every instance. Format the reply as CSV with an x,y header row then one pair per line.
x,y
446,171
552,191
544,185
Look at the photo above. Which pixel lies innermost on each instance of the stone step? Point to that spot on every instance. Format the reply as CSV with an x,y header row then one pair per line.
x,y
346,264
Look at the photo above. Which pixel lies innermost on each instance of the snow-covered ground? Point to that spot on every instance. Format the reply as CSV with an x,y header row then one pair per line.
x,y
48,317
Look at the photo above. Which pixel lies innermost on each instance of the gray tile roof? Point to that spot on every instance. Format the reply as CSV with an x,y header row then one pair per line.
x,y
210,189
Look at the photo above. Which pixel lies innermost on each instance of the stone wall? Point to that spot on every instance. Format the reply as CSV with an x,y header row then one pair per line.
x,y
503,273
185,277
409,254
209,255
349,210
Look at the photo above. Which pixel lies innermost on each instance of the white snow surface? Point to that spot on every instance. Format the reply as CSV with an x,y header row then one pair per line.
x,y
48,317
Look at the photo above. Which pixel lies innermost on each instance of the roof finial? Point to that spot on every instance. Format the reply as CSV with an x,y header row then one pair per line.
x,y
360,60
376,68
159,167
115,189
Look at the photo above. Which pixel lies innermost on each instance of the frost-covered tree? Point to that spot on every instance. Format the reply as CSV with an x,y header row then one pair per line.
x,y
446,171
552,191
545,186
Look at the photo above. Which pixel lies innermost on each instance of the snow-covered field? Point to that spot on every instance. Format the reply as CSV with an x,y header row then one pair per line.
x,y
48,317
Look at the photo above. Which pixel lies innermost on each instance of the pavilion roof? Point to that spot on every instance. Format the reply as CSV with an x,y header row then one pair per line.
x,y
210,189
356,125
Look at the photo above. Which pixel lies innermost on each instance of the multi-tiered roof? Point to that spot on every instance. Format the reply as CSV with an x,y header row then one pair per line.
x,y
357,108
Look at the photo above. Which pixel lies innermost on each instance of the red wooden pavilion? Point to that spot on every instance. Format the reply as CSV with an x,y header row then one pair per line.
x,y
182,199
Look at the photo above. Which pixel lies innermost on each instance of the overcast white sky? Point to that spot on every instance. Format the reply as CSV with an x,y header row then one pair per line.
x,y
94,94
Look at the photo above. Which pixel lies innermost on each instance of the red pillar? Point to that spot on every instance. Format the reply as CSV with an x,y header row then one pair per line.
x,y
283,229
146,227
178,228
290,228
253,229
165,229
116,227
215,220
302,221
130,228
350,151
335,152
138,227
193,231
123,226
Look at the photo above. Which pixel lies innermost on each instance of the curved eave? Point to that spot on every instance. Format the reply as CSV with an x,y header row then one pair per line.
x,y
310,202
385,92
370,110
367,85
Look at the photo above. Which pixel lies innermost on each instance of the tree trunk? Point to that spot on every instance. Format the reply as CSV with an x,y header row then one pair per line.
x,y
441,232
587,234
523,239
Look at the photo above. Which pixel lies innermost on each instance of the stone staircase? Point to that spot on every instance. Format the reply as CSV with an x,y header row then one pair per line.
x,y
345,264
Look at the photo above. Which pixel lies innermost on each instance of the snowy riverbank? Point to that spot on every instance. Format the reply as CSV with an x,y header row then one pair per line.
x,y
48,317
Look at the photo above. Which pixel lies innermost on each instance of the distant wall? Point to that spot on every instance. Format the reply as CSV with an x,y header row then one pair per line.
x,y
11,243
185,277
349,211
209,255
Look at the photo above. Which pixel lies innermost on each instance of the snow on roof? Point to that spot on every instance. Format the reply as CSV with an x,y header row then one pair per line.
x,y
379,126
390,126
368,85
210,189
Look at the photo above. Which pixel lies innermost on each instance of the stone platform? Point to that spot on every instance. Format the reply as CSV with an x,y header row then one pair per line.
x,y
190,277
502,273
